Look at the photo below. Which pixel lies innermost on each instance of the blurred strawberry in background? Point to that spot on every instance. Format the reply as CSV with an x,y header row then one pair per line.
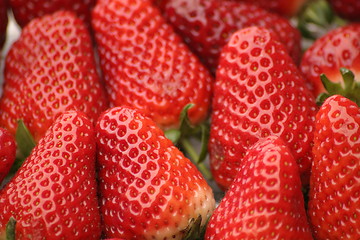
x,y
26,10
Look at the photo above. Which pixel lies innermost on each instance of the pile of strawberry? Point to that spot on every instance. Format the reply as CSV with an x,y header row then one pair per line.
x,y
103,102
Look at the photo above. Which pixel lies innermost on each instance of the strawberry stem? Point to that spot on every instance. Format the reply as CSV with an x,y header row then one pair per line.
x,y
10,229
186,131
194,157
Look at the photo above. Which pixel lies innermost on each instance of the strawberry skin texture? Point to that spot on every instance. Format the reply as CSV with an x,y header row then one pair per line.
x,y
148,189
258,92
265,200
49,70
7,152
26,10
334,204
207,25
3,21
146,65
348,9
338,48
53,194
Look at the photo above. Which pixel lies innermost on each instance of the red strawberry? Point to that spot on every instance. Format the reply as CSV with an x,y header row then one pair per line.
x,y
53,194
206,25
258,92
283,7
334,203
3,21
146,65
148,189
49,70
26,10
338,48
348,9
7,152
265,200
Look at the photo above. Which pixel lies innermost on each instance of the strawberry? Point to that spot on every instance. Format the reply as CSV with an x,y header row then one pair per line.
x,y
49,70
206,25
53,194
258,92
283,7
148,189
7,152
348,9
3,21
26,10
265,200
334,186
146,65
336,49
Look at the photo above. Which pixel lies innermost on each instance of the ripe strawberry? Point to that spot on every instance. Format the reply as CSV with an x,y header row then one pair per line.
x,y
7,152
3,21
265,200
53,194
148,189
334,187
348,9
26,10
146,65
338,48
283,7
206,25
49,70
258,92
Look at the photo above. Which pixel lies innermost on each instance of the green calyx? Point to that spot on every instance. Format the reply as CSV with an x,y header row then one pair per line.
x,y
10,229
25,144
317,18
349,88
185,133
194,230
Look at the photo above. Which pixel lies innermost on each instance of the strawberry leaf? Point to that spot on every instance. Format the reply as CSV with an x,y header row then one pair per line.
x,y
10,229
174,135
349,88
193,230
318,18
25,143
204,142
24,139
